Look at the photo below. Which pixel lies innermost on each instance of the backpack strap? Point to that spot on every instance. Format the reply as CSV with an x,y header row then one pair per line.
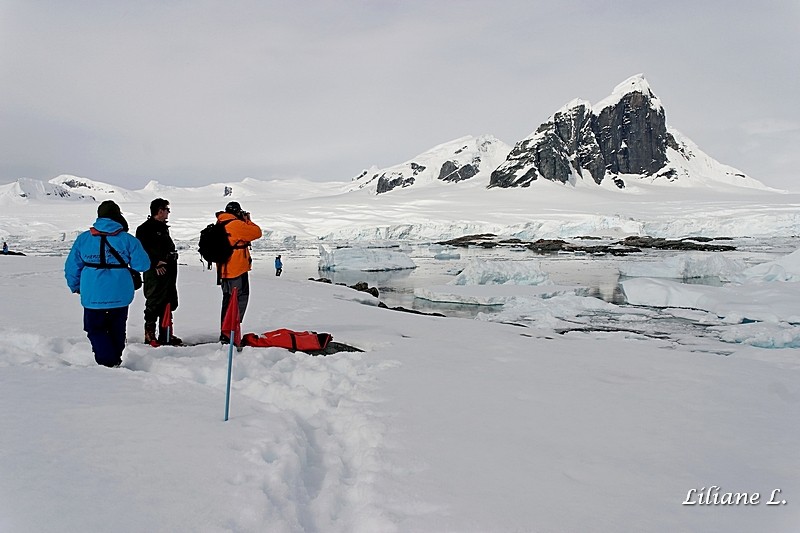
x,y
103,263
114,252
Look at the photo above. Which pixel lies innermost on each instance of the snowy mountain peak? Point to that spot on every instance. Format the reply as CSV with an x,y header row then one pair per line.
x,y
32,189
572,105
465,158
634,84
83,185
621,139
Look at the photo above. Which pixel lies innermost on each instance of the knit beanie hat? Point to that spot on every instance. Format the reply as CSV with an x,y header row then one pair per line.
x,y
109,209
233,208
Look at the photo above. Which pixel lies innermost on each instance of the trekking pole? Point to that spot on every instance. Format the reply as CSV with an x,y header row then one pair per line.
x,y
228,388
231,323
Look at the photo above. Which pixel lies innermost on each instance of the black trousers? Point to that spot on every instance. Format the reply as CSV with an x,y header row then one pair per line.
x,y
106,331
158,292
242,285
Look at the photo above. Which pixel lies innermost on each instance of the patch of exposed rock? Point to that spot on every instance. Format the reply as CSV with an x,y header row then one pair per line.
x,y
363,286
629,245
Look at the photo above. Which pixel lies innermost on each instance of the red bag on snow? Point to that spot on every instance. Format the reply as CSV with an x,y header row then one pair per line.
x,y
305,341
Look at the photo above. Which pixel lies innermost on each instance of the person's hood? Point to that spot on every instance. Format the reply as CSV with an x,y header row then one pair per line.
x,y
110,209
106,225
223,216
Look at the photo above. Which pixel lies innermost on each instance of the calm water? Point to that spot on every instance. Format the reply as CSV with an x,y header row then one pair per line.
x,y
599,274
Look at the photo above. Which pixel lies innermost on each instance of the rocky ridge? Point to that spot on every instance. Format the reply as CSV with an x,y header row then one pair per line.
x,y
629,245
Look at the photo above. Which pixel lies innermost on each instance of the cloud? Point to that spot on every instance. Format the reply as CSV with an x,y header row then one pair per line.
x,y
194,91
770,126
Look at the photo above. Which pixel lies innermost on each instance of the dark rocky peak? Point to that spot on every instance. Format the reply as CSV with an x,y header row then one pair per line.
x,y
625,133
631,130
554,151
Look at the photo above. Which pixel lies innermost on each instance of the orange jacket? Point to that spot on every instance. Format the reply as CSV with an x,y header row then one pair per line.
x,y
240,233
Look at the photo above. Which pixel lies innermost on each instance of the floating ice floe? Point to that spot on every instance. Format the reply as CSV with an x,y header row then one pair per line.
x,y
363,259
557,310
447,255
762,302
686,266
786,268
490,282
490,295
482,272
762,335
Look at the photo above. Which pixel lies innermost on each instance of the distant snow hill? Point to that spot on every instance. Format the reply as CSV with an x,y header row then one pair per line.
x,y
65,187
95,189
621,140
31,189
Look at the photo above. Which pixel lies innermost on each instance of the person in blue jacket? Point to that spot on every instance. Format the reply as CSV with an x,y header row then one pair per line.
x,y
103,282
278,265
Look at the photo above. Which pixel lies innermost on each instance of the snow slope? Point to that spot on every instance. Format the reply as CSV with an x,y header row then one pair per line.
x,y
441,424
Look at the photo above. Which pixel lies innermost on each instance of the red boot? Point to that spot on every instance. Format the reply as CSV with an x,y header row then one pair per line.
x,y
150,334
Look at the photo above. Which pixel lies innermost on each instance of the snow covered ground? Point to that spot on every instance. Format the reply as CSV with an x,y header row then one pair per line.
x,y
557,412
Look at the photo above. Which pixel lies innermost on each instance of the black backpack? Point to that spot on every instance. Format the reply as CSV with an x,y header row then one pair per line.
x,y
214,245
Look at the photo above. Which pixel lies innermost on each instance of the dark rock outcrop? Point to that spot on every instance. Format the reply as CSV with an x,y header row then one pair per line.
x,y
470,240
556,150
361,286
364,287
627,136
387,184
453,173
629,245
407,310
688,243
397,179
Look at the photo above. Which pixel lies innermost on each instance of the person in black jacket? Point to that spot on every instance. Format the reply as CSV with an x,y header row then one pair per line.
x,y
161,281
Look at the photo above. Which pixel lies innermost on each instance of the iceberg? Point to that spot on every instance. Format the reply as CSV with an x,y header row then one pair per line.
x,y
363,259
686,266
786,268
491,272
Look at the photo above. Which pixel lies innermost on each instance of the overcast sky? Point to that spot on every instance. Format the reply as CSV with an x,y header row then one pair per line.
x,y
194,92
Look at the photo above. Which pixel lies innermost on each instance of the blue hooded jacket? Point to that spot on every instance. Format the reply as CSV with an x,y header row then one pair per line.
x,y
104,288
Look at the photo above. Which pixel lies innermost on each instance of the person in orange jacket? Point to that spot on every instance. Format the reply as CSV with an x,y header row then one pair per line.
x,y
241,232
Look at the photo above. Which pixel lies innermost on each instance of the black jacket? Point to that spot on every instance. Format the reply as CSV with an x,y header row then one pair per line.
x,y
154,236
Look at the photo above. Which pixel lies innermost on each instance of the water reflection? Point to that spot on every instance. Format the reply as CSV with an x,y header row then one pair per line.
x,y
394,297
597,275
386,278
